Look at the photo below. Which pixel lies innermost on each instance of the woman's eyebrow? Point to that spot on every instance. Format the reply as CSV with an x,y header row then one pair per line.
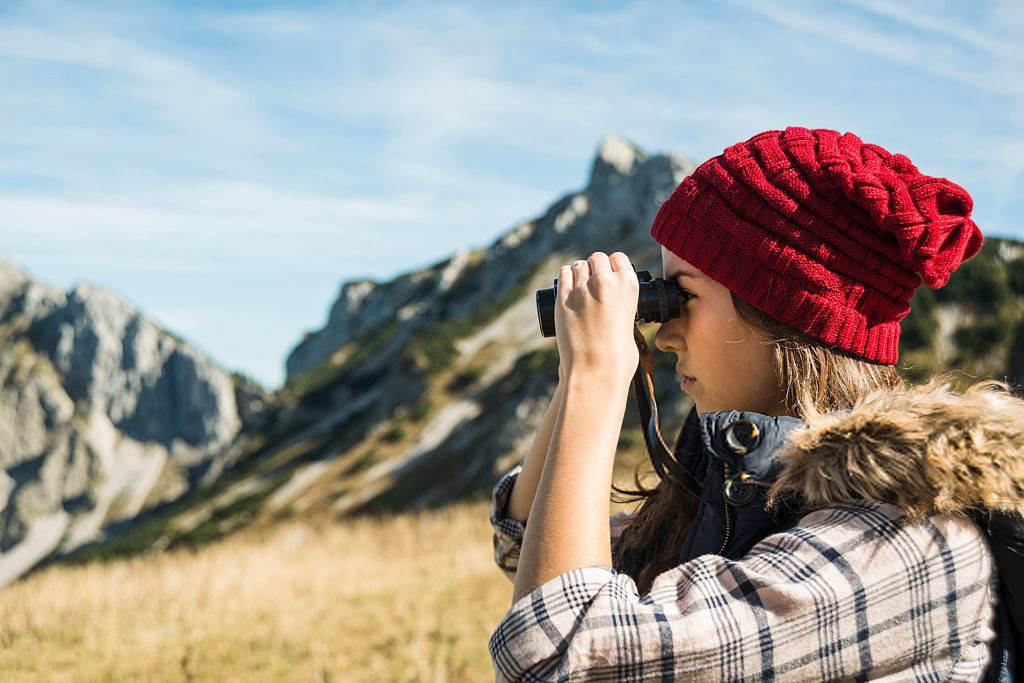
x,y
684,273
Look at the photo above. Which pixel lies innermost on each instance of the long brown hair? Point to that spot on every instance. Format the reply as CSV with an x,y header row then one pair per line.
x,y
813,379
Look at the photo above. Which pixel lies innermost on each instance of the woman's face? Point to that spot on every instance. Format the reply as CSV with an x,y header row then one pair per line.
x,y
732,368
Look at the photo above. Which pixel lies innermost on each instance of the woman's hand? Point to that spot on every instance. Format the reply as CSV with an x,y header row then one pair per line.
x,y
595,311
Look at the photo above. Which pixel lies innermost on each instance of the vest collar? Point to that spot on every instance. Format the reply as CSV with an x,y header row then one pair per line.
x,y
926,449
747,441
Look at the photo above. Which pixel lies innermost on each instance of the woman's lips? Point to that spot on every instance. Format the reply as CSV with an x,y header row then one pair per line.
x,y
687,383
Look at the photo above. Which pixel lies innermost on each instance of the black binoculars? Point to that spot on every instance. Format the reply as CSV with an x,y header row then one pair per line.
x,y
657,302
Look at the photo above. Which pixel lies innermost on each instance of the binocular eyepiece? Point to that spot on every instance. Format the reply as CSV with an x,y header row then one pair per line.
x,y
657,302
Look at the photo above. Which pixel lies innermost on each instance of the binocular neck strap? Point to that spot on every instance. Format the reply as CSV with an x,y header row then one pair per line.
x,y
664,461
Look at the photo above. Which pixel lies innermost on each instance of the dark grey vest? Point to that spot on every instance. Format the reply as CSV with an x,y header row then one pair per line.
x,y
731,456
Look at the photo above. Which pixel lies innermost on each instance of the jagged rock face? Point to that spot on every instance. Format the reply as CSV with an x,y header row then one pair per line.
x,y
625,190
150,386
11,279
102,415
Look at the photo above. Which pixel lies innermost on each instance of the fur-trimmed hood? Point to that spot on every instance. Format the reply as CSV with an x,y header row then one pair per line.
x,y
927,449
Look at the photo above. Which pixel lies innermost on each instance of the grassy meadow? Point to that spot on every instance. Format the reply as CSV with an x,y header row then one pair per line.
x,y
411,597
407,597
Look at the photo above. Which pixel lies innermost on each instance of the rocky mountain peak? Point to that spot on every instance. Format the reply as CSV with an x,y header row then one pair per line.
x,y
11,277
351,297
619,152
616,156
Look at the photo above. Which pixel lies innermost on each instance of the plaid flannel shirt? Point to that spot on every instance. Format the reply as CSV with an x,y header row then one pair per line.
x,y
851,592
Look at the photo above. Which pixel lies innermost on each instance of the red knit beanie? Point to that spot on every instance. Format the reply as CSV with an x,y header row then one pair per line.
x,y
821,231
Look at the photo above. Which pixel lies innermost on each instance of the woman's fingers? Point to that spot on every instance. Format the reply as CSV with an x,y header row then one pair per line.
x,y
565,281
580,273
599,263
620,262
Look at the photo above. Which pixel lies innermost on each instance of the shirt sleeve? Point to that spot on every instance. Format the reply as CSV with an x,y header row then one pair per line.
x,y
508,533
851,591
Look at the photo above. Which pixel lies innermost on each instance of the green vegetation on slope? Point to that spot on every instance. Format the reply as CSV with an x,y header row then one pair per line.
x,y
433,348
355,353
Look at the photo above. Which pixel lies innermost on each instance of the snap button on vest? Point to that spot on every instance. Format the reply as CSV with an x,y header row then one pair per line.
x,y
737,492
742,436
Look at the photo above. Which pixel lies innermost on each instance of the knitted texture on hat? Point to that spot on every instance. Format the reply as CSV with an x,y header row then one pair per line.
x,y
821,231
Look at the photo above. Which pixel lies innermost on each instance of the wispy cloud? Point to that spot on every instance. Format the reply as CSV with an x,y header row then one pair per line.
x,y
978,63
946,57
923,17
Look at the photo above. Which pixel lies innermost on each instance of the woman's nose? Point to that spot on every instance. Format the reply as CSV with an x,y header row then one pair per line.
x,y
661,337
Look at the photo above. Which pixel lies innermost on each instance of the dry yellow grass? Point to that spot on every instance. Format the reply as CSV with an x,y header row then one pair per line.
x,y
412,597
409,597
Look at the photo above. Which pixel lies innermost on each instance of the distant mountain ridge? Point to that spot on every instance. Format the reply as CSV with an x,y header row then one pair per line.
x,y
419,389
422,389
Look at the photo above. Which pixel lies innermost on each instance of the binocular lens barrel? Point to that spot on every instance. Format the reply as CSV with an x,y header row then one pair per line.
x,y
657,302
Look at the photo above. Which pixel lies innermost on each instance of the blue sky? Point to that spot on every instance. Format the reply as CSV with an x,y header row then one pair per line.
x,y
226,166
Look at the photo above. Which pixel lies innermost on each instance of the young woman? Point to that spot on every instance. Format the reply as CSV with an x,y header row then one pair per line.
x,y
832,535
